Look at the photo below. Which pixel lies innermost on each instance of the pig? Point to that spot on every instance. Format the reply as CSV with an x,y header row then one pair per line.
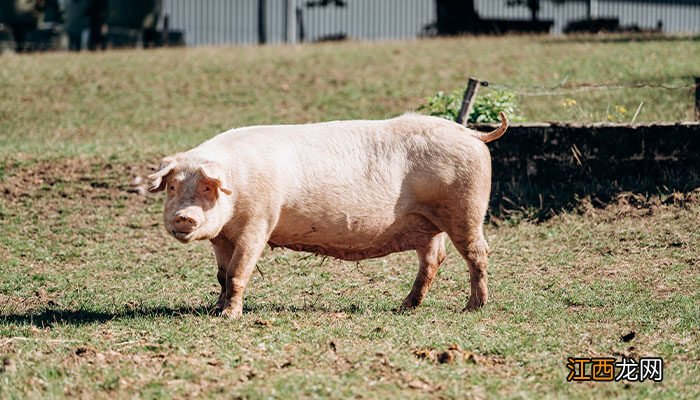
x,y
352,190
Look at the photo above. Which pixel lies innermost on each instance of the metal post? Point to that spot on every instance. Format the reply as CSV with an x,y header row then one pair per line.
x,y
291,21
262,21
166,30
468,100
300,24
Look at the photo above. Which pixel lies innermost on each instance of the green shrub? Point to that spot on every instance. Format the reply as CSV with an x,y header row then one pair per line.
x,y
443,105
485,109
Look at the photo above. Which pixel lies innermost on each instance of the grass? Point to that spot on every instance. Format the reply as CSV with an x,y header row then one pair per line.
x,y
97,301
123,102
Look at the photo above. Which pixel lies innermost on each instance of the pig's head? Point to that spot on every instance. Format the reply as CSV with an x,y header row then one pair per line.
x,y
199,201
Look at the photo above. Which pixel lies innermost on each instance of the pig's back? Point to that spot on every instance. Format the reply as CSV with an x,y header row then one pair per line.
x,y
359,182
356,161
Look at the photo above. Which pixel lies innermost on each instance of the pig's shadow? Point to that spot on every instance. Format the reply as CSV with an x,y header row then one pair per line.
x,y
51,317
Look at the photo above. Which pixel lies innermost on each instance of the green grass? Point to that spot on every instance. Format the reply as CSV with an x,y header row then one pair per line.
x,y
126,101
97,301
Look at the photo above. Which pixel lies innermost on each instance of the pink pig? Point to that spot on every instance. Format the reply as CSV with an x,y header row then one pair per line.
x,y
347,189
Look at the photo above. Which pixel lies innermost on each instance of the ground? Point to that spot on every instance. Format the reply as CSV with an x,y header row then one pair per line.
x,y
96,300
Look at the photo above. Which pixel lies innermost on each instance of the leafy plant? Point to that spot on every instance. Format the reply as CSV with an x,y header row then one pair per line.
x,y
442,105
485,109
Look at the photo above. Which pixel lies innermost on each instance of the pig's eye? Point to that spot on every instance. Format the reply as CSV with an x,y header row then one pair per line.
x,y
172,187
207,188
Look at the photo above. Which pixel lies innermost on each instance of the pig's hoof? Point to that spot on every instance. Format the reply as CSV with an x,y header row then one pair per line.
x,y
216,309
407,306
473,305
232,312
410,304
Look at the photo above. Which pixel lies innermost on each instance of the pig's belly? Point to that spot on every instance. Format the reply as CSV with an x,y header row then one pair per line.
x,y
356,238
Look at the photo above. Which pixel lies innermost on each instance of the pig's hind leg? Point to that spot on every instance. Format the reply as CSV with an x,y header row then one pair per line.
x,y
223,251
431,256
468,239
464,224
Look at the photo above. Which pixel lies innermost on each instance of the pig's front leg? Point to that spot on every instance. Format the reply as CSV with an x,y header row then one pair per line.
x,y
248,248
223,251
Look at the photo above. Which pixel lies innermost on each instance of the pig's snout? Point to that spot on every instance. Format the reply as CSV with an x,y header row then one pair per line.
x,y
184,223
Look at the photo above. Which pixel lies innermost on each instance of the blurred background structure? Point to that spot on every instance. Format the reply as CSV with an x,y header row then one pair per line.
x,y
98,24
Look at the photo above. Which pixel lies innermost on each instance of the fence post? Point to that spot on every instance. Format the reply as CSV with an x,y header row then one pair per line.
x,y
262,21
300,25
467,100
291,21
166,30
697,98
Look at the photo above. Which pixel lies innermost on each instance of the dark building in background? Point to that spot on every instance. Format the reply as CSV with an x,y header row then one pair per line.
x,y
229,22
455,17
61,24
52,24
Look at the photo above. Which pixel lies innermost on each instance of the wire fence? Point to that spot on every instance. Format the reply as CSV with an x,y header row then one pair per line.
x,y
505,97
562,90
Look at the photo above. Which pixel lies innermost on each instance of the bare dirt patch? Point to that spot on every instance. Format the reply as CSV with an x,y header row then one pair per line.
x,y
455,354
68,201
87,181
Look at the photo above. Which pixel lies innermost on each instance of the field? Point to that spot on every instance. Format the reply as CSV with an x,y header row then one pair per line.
x,y
97,301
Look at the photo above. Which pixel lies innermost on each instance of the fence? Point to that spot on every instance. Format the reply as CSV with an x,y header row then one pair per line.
x,y
675,16
215,22
212,22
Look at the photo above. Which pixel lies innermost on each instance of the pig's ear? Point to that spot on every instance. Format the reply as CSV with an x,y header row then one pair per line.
x,y
213,172
157,179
